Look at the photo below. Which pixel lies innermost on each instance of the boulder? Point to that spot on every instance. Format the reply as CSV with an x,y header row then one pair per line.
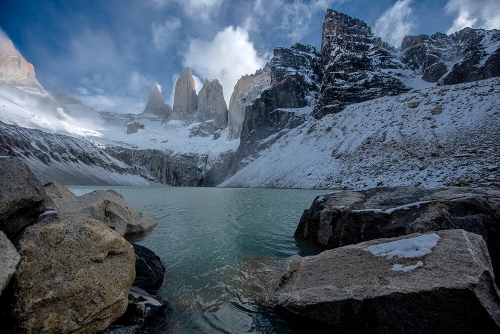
x,y
133,127
349,217
74,276
110,208
149,271
145,314
22,197
434,283
9,258
57,190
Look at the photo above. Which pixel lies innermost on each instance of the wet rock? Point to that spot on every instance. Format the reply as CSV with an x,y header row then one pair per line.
x,y
57,190
22,197
435,283
349,217
9,258
110,208
74,276
149,271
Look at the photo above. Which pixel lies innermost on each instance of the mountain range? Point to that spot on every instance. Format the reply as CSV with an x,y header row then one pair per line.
x,y
358,113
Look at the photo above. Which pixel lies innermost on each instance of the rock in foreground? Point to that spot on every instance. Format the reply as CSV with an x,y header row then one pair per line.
x,y
349,217
149,271
435,283
9,259
74,276
110,208
57,190
22,197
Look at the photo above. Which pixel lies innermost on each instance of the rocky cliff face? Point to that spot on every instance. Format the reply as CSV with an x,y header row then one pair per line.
x,y
16,71
211,104
355,64
464,56
155,104
185,98
246,90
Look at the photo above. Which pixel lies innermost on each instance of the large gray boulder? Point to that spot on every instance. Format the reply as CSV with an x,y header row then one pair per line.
x,y
57,190
74,276
110,208
349,217
9,258
435,283
22,197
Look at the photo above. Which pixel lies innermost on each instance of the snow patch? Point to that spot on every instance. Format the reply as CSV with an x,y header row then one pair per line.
x,y
46,213
400,267
406,248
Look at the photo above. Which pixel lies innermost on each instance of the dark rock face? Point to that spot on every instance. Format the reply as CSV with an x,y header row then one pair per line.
x,y
155,104
435,283
474,54
149,271
66,159
176,170
349,217
353,60
22,197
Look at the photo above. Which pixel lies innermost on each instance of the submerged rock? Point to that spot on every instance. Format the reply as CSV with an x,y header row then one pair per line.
x,y
22,197
349,217
149,271
110,208
57,190
9,258
434,283
74,276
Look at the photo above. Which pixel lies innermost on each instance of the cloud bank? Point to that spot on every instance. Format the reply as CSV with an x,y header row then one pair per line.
x,y
475,14
226,58
395,23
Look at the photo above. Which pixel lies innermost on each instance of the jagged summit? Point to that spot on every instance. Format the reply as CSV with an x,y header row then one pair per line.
x,y
211,104
185,98
155,104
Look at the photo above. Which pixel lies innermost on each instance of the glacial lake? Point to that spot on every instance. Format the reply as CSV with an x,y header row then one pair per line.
x,y
213,242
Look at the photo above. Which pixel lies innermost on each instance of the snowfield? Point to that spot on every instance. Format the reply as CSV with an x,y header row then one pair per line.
x,y
433,137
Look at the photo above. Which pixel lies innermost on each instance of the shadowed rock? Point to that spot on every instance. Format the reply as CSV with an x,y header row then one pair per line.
x,y
9,258
110,208
22,197
437,283
57,190
149,271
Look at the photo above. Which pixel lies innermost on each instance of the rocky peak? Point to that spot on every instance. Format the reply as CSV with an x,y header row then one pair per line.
x,y
15,70
211,104
245,91
464,56
155,104
339,24
185,98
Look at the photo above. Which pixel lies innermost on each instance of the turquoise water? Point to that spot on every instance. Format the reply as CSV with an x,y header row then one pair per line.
x,y
212,242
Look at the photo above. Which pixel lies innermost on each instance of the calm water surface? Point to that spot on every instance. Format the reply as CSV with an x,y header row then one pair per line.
x,y
213,242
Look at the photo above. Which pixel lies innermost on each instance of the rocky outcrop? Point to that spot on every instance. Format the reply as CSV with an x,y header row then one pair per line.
x,y
211,104
74,276
355,64
349,217
434,283
110,208
155,104
57,190
22,197
149,271
245,91
9,258
464,56
15,70
133,127
66,159
185,98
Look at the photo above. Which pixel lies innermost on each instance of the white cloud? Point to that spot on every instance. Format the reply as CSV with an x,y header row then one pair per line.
x,y
112,103
475,14
395,23
164,34
138,81
226,58
197,9
6,44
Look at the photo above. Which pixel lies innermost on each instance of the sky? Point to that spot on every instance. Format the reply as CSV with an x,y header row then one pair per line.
x,y
108,53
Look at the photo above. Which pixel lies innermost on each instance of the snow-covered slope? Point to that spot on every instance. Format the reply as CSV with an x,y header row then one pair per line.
x,y
438,136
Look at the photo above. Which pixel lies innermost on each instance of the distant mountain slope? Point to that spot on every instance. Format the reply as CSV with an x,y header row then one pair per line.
x,y
442,136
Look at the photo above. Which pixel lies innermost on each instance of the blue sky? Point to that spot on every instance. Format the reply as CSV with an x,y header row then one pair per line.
x,y
109,53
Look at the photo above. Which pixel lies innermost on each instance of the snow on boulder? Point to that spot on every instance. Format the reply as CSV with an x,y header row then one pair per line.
x,y
376,286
